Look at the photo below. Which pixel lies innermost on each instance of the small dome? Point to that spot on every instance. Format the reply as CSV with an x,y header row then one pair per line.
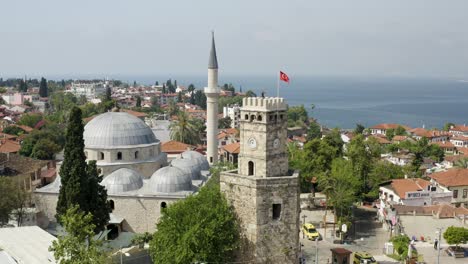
x,y
117,129
190,166
122,180
190,154
170,179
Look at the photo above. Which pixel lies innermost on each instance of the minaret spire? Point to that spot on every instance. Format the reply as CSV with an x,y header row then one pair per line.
x,y
213,61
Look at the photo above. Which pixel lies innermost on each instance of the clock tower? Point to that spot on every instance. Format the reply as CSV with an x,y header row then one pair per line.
x,y
263,191
263,135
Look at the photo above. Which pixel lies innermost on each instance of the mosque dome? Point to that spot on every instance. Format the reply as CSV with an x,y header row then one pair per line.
x,y
122,180
191,166
117,130
194,155
170,179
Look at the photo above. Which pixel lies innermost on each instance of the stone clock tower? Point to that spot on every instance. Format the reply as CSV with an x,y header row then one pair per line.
x,y
264,193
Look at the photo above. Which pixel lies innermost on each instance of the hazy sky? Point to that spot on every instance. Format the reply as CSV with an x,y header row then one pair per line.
x,y
348,37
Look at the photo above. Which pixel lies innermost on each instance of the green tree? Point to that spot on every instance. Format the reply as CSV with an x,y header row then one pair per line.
x,y
7,204
359,129
45,149
401,244
43,89
200,99
456,235
78,179
314,131
334,139
250,93
448,125
400,131
108,96
184,130
179,97
50,132
30,119
138,101
199,228
382,171
224,122
390,133
78,246
191,90
461,163
22,87
298,113
13,130
97,197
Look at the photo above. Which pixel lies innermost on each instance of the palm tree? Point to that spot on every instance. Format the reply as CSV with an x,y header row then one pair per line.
x,y
461,163
184,129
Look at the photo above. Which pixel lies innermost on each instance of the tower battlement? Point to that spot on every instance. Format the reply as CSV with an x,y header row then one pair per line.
x,y
264,104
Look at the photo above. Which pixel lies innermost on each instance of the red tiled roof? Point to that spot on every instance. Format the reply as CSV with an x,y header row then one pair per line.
x,y
461,138
444,144
451,178
233,148
402,186
25,128
9,146
399,138
461,128
173,146
421,132
134,113
381,140
388,126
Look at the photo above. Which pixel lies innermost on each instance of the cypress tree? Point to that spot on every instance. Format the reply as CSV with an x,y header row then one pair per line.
x,y
108,94
43,90
80,181
138,101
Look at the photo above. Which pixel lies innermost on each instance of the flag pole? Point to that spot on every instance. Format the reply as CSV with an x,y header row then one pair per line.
x,y
277,85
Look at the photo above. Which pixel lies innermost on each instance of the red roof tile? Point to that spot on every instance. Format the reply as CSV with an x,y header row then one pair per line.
x,y
451,178
233,148
402,186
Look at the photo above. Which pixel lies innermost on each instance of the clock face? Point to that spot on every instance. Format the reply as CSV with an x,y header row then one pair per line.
x,y
252,142
276,143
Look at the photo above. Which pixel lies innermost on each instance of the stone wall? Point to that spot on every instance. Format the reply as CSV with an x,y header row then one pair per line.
x,y
267,240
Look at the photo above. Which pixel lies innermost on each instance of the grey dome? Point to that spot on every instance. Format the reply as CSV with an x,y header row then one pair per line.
x,y
170,179
122,180
190,166
194,155
117,129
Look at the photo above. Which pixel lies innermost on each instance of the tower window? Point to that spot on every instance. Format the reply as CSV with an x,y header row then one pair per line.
x,y
101,155
119,155
281,117
276,211
259,118
163,205
136,154
251,168
252,117
246,117
112,205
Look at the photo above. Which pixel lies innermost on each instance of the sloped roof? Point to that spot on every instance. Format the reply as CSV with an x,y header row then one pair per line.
x,y
233,148
402,186
388,126
174,146
451,178
9,146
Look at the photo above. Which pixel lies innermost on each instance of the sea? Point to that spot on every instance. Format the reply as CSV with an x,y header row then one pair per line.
x,y
345,101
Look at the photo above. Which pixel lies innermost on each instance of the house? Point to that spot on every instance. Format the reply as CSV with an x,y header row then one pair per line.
x,y
9,146
397,139
230,152
414,191
454,180
400,158
459,130
227,136
446,146
381,129
27,170
459,141
431,135
382,140
174,148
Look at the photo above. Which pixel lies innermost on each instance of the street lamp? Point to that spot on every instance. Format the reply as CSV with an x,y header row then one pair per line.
x,y
303,223
438,232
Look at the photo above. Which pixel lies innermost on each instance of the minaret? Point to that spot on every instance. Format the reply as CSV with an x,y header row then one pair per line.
x,y
212,95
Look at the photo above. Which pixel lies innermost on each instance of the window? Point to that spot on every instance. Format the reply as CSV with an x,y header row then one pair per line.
x,y
465,193
101,155
136,154
252,117
455,193
246,117
251,168
259,118
112,204
119,155
211,159
276,211
281,117
163,205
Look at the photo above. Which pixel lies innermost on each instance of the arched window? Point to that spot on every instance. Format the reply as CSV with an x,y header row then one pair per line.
x,y
251,168
163,205
101,155
246,117
281,117
112,205
136,154
252,117
259,117
119,155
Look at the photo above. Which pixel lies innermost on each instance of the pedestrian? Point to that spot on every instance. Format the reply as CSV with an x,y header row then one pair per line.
x,y
435,243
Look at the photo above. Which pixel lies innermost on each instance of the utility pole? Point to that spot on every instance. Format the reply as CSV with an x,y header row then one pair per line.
x,y
303,223
316,250
439,231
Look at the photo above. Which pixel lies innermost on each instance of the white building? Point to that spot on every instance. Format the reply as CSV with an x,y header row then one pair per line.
x,y
455,181
90,90
233,112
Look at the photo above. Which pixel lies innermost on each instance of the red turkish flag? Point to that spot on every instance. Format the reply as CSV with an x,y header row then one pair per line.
x,y
284,77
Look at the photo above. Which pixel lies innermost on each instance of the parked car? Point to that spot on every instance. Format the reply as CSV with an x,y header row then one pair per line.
x,y
310,232
363,257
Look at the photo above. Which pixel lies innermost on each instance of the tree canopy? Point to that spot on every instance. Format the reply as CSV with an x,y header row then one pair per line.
x,y
78,245
199,228
13,198
43,89
456,235
185,129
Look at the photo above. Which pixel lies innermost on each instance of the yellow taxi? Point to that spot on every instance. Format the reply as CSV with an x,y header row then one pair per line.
x,y
363,257
310,232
